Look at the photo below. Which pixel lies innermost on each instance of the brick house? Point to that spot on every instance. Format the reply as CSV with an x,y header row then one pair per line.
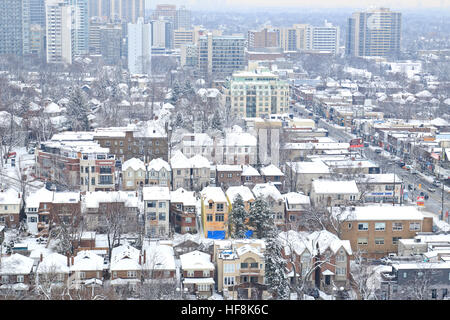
x,y
126,266
159,261
274,199
296,204
250,176
16,273
85,267
54,268
198,273
273,174
183,215
375,230
228,175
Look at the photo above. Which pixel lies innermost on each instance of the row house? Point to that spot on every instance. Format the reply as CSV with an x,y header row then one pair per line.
x,y
133,174
198,273
296,206
376,230
127,266
156,211
183,213
250,176
190,174
215,210
160,261
332,193
98,206
16,273
274,199
75,162
240,268
228,175
45,208
10,205
246,194
319,259
159,173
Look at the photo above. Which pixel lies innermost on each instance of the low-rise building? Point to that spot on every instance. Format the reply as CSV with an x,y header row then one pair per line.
x,y
159,173
126,266
273,174
156,211
383,187
85,268
10,205
228,175
296,205
214,212
198,273
299,175
274,199
16,273
183,213
332,193
133,174
250,176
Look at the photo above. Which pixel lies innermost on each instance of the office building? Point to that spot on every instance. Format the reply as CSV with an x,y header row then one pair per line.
x,y
60,31
139,47
182,37
220,56
183,18
266,38
14,27
375,32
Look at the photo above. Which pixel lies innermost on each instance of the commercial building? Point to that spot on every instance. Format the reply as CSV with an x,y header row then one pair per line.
x,y
375,32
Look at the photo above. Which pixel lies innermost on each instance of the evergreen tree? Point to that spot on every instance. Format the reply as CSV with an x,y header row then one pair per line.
x,y
176,93
179,121
188,90
216,122
237,218
275,266
260,218
77,111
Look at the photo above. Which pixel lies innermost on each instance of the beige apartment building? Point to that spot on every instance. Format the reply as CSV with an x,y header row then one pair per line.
x,y
240,268
258,93
376,230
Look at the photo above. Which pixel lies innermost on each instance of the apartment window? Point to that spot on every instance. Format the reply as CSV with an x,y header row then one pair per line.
x,y
405,274
209,217
397,226
341,271
131,274
229,268
206,273
190,273
379,241
151,204
395,240
219,207
210,205
162,216
228,281
414,226
363,226
362,241
380,226
220,217
93,169
151,216
162,204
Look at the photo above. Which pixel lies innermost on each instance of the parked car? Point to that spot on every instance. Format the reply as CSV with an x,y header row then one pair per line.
x,y
436,183
378,151
431,189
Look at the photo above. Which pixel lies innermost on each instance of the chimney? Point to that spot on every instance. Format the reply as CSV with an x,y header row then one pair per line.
x,y
18,194
140,259
68,261
40,258
144,256
72,261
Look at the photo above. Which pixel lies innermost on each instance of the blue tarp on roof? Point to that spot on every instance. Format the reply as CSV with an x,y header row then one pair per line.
x,y
249,233
219,234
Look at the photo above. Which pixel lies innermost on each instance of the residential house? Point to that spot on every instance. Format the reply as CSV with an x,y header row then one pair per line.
x,y
126,266
272,174
190,174
274,199
10,203
159,173
332,193
198,273
85,268
299,175
159,261
244,192
375,230
53,268
296,205
183,216
250,176
156,211
228,175
214,212
16,273
133,174
240,268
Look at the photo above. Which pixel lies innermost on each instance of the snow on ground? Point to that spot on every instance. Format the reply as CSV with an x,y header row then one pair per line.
x,y
325,296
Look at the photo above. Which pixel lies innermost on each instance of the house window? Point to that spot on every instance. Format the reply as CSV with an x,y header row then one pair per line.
x,y
219,217
395,240
433,293
131,274
219,207
362,241
414,226
228,281
405,274
380,226
340,258
11,218
244,265
151,204
114,274
162,217
349,226
203,287
206,273
397,226
151,216
190,273
162,204
188,220
341,271
5,279
82,275
209,217
379,241
363,226
229,268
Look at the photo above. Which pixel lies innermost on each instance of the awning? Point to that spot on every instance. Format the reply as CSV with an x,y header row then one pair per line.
x,y
328,273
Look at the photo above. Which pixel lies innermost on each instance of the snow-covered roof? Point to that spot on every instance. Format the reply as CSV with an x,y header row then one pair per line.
x,y
334,187
267,190
249,171
196,260
66,197
87,261
134,163
52,108
180,161
249,248
215,194
309,167
296,198
125,257
40,196
198,281
158,164
187,198
378,213
271,170
198,161
156,193
229,167
53,263
424,94
379,178
92,199
327,240
244,191
239,139
159,257
10,197
16,264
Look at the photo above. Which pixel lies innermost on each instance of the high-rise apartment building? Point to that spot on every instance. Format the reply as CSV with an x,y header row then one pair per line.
x,y
220,56
375,32
60,31
37,12
183,18
37,42
162,33
139,47
124,10
323,38
258,93
166,11
81,30
14,27
110,43
265,38
287,38
182,37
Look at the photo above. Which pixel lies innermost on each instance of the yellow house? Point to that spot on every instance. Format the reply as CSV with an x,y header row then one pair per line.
x,y
215,210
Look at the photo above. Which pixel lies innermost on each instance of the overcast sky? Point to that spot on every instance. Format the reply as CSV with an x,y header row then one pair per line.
x,y
354,4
